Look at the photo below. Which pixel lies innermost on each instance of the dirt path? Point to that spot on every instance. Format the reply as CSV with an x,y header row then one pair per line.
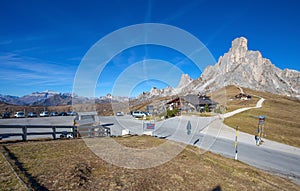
x,y
241,90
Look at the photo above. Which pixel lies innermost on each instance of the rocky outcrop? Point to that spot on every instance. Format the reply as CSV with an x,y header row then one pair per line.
x,y
247,68
154,91
239,67
184,81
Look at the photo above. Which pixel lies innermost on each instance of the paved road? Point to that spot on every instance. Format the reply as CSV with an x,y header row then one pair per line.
x,y
211,134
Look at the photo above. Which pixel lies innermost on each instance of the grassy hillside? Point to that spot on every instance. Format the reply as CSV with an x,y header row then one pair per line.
x,y
70,165
225,97
282,122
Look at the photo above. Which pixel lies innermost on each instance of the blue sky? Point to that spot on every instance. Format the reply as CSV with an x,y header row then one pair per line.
x,y
42,42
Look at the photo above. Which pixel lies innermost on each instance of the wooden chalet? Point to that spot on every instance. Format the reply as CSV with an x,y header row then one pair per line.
x,y
190,103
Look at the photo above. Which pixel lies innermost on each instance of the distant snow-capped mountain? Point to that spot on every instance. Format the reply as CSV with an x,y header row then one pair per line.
x,y
52,98
35,98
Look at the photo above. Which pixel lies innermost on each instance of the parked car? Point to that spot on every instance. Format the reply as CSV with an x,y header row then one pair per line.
x,y
44,114
71,113
32,114
19,114
62,114
138,114
119,113
5,115
53,113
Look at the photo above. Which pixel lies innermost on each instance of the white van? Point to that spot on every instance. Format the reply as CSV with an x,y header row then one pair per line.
x,y
138,114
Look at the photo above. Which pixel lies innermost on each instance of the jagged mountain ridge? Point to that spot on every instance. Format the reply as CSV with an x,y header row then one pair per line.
x,y
239,67
45,98
54,100
247,68
51,98
244,68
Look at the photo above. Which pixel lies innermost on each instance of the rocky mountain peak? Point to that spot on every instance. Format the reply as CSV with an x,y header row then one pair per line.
x,y
239,67
154,91
239,44
247,68
184,81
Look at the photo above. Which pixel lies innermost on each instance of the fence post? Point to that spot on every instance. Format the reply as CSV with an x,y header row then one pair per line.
x,y
75,133
54,132
108,132
24,136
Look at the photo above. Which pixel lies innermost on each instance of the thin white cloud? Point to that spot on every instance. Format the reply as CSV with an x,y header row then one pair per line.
x,y
34,72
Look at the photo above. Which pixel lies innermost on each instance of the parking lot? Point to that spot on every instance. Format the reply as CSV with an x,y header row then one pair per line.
x,y
59,120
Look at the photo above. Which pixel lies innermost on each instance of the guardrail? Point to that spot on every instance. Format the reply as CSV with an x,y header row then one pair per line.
x,y
24,133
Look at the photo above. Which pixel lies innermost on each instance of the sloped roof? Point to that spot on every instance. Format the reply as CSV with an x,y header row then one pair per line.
x,y
195,100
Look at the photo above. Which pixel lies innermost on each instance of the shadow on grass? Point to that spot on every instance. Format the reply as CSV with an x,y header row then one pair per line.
x,y
30,179
218,188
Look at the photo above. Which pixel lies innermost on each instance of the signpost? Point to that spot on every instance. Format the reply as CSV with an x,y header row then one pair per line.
x,y
260,130
236,142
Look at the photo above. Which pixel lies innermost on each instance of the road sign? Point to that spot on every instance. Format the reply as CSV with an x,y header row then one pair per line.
x,y
261,120
150,126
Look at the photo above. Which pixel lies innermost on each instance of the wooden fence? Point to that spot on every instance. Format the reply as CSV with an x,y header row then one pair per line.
x,y
72,130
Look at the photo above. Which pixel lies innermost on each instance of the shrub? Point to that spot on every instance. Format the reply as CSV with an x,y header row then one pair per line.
x,y
172,113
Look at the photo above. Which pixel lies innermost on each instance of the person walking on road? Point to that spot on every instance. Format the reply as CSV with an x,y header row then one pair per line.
x,y
188,128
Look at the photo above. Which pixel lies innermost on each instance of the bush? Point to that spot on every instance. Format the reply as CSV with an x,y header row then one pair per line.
x,y
206,108
172,113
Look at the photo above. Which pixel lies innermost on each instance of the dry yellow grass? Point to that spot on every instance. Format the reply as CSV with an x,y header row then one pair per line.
x,y
224,97
282,122
70,165
8,180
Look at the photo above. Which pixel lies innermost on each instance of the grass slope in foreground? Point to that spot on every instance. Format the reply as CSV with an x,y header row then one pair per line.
x,y
70,165
8,180
282,122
